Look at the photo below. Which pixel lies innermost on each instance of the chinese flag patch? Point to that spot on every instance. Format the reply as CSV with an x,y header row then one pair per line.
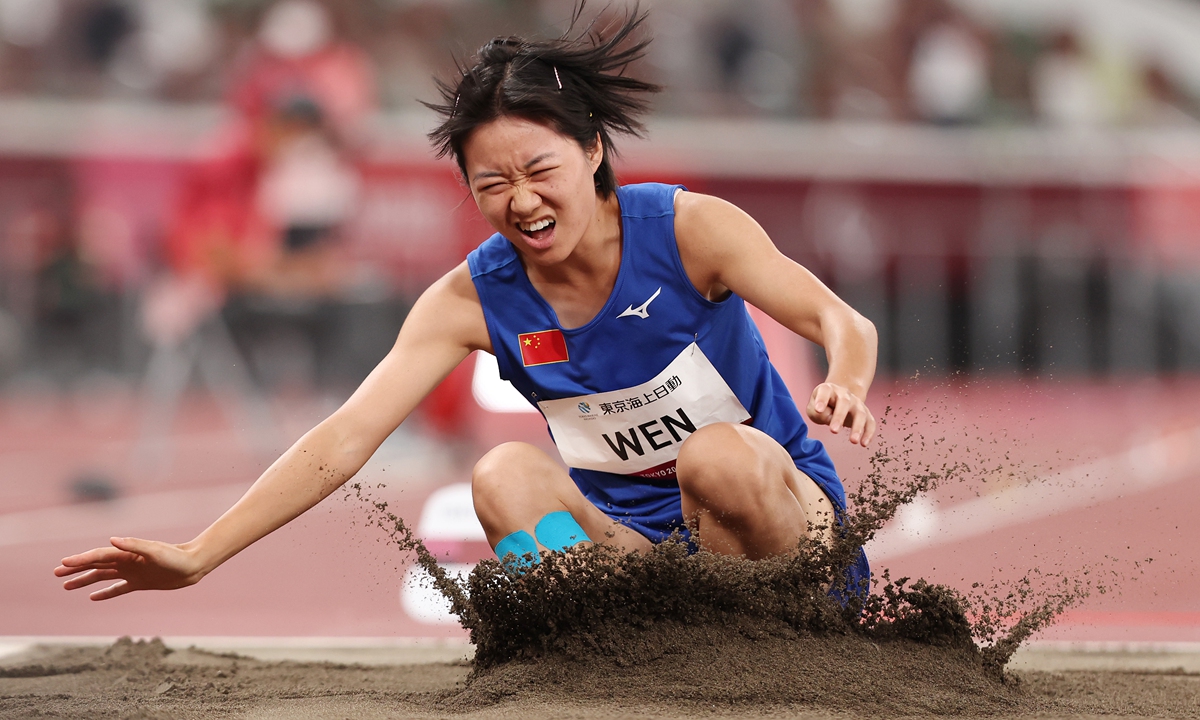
x,y
543,348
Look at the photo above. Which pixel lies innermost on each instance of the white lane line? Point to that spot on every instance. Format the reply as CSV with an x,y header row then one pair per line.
x,y
1164,460
8,649
136,515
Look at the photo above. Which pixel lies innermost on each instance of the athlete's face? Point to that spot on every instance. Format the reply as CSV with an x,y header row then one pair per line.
x,y
534,185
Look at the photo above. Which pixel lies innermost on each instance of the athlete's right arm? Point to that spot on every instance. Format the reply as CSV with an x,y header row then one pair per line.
x,y
444,326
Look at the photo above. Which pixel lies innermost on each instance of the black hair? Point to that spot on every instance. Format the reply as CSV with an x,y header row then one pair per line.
x,y
575,85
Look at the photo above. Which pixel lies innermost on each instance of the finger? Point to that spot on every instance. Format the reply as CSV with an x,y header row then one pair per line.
x,y
820,397
97,555
133,545
90,577
112,591
869,433
63,570
820,416
858,426
840,410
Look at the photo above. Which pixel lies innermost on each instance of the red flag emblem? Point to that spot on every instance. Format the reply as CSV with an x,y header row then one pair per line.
x,y
543,348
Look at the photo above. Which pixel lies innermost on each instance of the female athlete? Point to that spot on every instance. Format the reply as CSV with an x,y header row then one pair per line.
x,y
618,311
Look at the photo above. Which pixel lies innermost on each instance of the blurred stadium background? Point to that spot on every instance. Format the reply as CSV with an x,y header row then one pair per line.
x,y
214,215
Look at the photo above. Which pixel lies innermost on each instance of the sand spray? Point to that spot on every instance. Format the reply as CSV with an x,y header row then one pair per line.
x,y
595,601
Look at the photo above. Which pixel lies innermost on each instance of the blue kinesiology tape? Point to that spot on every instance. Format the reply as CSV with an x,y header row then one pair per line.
x,y
523,547
559,531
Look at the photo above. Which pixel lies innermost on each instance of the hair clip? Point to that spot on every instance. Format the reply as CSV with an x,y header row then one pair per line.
x,y
455,108
556,77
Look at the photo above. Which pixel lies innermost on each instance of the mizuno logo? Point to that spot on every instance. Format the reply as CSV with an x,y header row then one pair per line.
x,y
640,311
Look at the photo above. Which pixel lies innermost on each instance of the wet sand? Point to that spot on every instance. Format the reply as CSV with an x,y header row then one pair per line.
x,y
764,677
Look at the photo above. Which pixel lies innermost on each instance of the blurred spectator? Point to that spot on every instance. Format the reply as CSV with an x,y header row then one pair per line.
x,y
306,191
103,26
1013,54
411,52
923,60
733,44
140,47
1066,87
53,290
948,75
172,40
297,58
265,214
29,240
754,49
66,288
727,57
864,58
1164,103
29,23
26,26
263,218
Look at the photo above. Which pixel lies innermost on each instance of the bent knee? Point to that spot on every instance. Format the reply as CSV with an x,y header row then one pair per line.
x,y
710,444
720,462
502,467
502,459
514,479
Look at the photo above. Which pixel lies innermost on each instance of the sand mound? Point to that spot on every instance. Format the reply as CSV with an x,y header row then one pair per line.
x,y
706,666
705,630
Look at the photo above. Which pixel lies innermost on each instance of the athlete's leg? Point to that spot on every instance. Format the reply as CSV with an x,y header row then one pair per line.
x,y
515,485
743,491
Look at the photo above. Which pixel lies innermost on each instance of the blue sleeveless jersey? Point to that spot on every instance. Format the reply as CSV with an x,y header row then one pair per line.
x,y
623,391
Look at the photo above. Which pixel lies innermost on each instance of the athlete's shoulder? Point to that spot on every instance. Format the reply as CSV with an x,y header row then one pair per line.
x,y
698,207
492,254
454,287
713,222
450,308
715,236
648,200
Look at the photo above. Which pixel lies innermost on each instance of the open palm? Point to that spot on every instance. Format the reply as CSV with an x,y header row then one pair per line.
x,y
135,564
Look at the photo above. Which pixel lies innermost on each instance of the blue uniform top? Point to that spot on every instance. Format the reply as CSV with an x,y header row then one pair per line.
x,y
624,378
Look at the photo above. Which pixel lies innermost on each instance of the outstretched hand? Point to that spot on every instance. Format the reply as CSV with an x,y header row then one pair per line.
x,y
834,405
135,565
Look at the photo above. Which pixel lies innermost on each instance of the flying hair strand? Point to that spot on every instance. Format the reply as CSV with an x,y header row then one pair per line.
x,y
510,76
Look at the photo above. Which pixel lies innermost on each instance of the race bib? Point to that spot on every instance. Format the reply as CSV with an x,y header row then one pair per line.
x,y
638,430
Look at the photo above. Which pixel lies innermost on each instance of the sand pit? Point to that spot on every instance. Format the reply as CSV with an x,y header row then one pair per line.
x,y
666,633
697,674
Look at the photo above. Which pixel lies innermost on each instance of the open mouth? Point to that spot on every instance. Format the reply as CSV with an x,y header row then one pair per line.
x,y
538,231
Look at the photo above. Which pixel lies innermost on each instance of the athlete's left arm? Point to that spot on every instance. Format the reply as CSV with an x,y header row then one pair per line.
x,y
724,249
